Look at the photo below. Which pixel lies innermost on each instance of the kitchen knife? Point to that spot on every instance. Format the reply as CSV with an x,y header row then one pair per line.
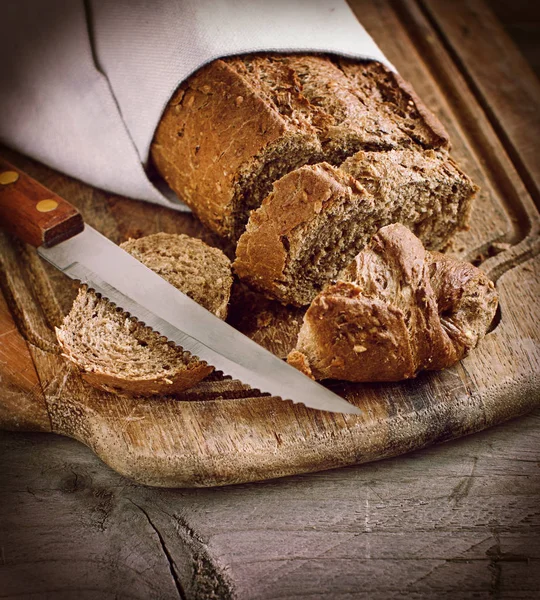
x,y
48,222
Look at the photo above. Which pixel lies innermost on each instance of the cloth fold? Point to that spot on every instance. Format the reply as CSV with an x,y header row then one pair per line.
x,y
85,83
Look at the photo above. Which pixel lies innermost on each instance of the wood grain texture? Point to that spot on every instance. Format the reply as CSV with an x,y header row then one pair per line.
x,y
23,403
220,432
32,212
521,20
508,91
456,521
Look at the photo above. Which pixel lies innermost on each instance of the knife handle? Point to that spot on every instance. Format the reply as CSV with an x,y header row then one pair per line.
x,y
34,213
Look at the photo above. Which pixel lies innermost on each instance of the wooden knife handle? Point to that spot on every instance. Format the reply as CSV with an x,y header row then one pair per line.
x,y
32,212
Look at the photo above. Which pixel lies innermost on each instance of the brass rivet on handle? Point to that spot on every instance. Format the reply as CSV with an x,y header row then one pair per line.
x,y
46,205
8,177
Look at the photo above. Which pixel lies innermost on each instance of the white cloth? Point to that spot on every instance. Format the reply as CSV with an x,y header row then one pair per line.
x,y
83,85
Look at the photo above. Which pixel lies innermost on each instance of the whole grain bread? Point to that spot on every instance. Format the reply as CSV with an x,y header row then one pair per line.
x,y
198,270
118,354
395,310
241,123
318,217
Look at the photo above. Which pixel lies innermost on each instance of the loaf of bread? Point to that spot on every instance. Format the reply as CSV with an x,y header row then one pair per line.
x,y
332,148
319,217
240,124
116,353
397,309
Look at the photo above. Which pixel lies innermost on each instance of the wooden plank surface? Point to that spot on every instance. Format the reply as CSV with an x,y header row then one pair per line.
x,y
23,403
457,521
475,37
521,20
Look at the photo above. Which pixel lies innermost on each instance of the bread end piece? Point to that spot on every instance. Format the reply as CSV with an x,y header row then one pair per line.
x,y
270,255
200,271
395,310
223,136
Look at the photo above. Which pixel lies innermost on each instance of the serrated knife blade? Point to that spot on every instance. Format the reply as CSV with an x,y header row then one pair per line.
x,y
96,261
55,227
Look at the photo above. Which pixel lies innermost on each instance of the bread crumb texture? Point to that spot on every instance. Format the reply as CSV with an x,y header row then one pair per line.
x,y
118,354
320,153
319,217
198,270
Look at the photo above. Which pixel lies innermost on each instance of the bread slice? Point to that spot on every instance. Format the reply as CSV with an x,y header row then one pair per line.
x,y
241,123
395,310
116,353
319,217
198,270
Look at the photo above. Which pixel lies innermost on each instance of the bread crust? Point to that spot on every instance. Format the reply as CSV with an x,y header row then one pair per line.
x,y
429,118
235,119
428,131
383,186
149,387
396,309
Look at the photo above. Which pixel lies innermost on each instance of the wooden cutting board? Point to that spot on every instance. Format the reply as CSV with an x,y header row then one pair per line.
x,y
220,432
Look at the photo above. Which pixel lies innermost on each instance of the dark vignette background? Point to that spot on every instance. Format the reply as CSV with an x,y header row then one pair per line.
x,y
521,19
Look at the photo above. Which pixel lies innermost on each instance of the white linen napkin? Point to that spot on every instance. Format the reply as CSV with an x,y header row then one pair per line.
x,y
83,84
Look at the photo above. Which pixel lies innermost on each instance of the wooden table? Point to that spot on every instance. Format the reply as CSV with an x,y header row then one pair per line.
x,y
460,520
